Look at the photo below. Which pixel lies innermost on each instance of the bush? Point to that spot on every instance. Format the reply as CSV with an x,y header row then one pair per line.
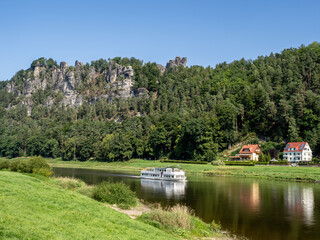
x,y
183,161
305,163
36,165
69,183
75,185
218,163
233,153
179,220
239,163
40,166
261,163
14,165
115,193
4,164
280,163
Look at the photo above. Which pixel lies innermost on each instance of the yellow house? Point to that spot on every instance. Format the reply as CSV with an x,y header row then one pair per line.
x,y
249,152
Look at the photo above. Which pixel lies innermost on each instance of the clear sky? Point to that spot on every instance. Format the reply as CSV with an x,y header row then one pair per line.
x,y
206,32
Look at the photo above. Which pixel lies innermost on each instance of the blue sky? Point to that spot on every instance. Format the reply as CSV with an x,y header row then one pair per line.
x,y
206,32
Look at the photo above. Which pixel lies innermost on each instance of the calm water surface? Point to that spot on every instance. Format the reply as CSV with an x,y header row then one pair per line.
x,y
256,209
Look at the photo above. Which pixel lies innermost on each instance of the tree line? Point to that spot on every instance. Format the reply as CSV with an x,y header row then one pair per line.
x,y
190,113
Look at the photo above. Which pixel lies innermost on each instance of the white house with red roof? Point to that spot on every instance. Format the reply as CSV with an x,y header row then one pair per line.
x,y
249,152
297,151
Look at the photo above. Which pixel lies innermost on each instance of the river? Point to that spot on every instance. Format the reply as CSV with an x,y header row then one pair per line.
x,y
253,208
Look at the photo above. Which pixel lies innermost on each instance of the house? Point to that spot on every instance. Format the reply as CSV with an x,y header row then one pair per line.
x,y
297,151
248,152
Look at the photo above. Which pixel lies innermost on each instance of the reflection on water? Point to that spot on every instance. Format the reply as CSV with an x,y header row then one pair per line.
x,y
300,203
256,209
170,189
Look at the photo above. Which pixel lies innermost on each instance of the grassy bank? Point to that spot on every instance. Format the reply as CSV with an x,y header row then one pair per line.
x,y
308,174
36,208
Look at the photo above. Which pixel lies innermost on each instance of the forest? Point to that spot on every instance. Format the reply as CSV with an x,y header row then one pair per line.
x,y
190,113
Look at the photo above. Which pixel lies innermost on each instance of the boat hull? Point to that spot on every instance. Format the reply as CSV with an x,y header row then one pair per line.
x,y
165,179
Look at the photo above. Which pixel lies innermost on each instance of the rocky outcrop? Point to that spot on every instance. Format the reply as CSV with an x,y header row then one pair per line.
x,y
78,64
161,68
67,81
141,92
118,72
68,86
176,62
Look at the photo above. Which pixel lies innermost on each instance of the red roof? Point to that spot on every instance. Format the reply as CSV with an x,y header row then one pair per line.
x,y
250,148
298,146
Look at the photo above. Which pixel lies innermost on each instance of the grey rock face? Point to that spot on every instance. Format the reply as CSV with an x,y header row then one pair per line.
x,y
141,92
120,78
67,81
78,64
115,81
162,68
176,62
63,65
116,71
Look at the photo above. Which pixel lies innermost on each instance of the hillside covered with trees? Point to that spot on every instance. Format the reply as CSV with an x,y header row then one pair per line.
x,y
189,113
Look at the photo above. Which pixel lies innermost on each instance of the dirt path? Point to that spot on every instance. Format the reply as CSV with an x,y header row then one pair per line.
x,y
133,212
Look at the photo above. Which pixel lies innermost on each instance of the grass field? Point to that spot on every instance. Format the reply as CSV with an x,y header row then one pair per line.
x,y
309,174
35,208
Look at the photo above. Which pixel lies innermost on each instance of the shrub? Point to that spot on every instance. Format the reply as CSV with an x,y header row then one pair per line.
x,y
261,163
39,166
233,153
115,193
69,183
4,164
280,163
36,165
183,161
75,185
179,220
305,163
240,163
218,163
14,165
24,166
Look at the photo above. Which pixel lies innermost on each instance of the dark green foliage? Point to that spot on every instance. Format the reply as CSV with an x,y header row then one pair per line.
x,y
189,113
36,165
240,163
180,161
4,164
280,163
315,160
115,193
43,62
261,163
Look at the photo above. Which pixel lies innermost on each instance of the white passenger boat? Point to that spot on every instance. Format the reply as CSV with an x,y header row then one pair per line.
x,y
170,174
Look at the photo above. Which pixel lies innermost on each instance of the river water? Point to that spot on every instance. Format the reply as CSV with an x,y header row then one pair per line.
x,y
253,208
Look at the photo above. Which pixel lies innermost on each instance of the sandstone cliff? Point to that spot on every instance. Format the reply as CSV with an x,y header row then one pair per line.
x,y
73,85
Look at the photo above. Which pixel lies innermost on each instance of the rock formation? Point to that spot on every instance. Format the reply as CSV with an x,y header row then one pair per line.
x,y
68,86
162,68
176,62
66,80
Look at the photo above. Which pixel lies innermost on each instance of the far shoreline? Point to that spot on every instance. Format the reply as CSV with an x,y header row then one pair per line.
x,y
279,173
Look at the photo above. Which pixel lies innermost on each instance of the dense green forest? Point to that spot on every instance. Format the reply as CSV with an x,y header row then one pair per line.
x,y
190,113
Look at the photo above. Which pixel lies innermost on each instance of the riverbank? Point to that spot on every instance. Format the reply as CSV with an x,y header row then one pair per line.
x,y
36,207
284,173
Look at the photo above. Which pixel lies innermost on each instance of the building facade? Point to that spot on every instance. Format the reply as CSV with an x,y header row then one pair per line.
x,y
249,152
297,152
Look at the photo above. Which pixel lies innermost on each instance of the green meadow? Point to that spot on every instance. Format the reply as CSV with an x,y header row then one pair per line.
x,y
33,207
